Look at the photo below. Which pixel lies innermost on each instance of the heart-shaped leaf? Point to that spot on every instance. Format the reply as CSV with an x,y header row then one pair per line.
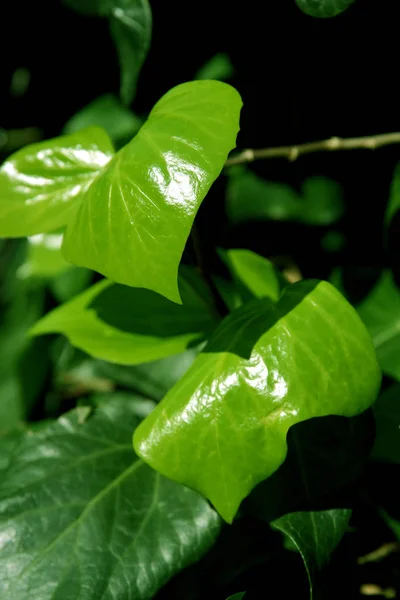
x,y
131,325
42,184
134,222
82,517
316,535
222,429
323,8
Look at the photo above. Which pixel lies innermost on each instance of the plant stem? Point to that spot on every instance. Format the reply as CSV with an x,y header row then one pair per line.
x,y
201,264
329,145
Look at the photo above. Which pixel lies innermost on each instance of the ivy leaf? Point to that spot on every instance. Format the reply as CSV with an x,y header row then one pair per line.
x,y
252,198
222,429
323,8
42,184
131,25
238,596
131,325
108,113
316,535
83,517
380,312
256,276
387,418
134,222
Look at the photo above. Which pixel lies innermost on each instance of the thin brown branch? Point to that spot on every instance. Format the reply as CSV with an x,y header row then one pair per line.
x,y
330,145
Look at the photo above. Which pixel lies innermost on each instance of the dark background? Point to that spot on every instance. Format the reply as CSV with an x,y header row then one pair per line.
x,y
301,79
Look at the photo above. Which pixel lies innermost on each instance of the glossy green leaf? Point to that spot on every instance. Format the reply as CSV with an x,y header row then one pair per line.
x,y
132,325
218,67
323,8
256,276
42,184
251,198
222,429
380,312
316,535
238,596
134,222
82,517
387,418
131,25
108,113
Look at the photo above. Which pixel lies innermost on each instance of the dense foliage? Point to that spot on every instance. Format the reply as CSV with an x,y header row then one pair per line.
x,y
184,415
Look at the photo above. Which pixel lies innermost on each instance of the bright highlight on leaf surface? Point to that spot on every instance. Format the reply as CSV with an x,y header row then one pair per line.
x,y
135,219
222,428
42,184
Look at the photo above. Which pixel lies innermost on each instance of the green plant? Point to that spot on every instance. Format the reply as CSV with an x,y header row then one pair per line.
x,y
248,394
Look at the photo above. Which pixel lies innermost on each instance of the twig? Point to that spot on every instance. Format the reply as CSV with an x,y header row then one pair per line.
x,y
370,589
380,553
329,145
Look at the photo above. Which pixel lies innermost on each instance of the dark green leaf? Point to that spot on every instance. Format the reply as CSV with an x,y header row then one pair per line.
x,y
323,8
256,276
249,198
387,417
109,114
152,380
82,517
266,368
151,192
131,24
394,198
132,325
238,596
218,67
42,184
316,535
380,312
70,283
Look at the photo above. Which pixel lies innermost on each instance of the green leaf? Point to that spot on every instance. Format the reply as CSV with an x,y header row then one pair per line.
x,y
218,67
222,429
394,197
82,517
238,596
251,198
256,276
380,312
131,25
134,222
108,113
42,184
44,258
323,8
70,283
316,535
132,325
153,379
387,418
